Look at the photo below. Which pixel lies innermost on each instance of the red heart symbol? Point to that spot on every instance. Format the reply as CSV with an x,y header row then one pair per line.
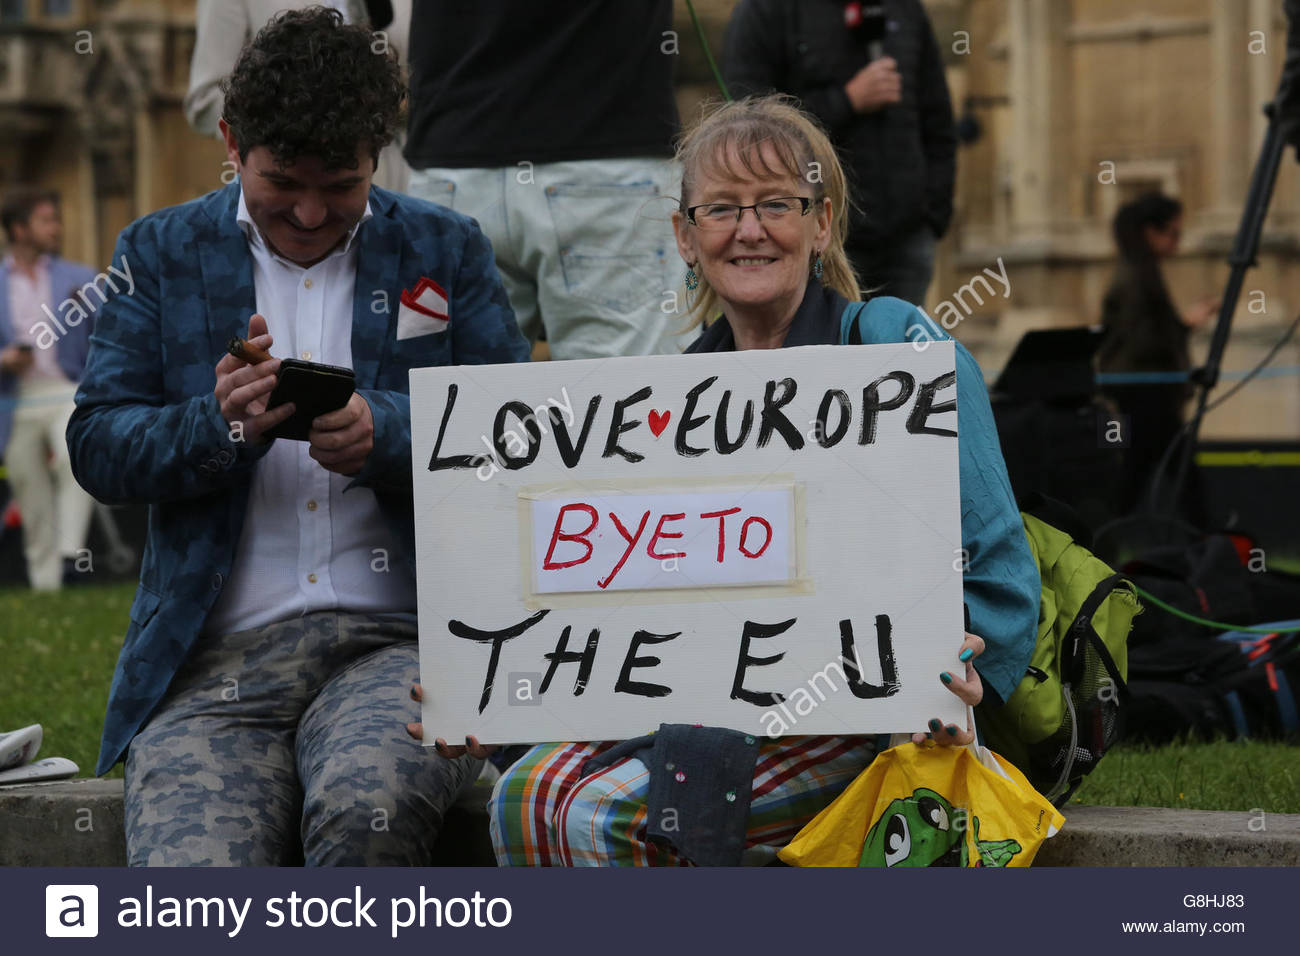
x,y
659,421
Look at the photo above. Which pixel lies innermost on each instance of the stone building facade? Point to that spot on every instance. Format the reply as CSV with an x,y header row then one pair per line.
x,y
90,104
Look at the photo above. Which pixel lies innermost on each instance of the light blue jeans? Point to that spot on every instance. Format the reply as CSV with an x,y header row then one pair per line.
x,y
585,249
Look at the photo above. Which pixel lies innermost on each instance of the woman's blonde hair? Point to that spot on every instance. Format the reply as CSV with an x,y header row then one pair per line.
x,y
739,130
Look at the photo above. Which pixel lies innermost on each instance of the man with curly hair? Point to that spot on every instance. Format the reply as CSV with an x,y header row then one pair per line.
x,y
262,687
222,27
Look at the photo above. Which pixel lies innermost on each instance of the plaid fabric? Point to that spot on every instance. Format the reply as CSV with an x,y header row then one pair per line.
x,y
543,814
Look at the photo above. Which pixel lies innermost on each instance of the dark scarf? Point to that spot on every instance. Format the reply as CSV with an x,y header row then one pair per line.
x,y
816,322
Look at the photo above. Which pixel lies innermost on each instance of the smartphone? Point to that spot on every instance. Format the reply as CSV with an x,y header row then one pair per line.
x,y
314,388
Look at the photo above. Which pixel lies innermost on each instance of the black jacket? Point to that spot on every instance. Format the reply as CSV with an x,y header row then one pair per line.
x,y
499,82
900,160
815,322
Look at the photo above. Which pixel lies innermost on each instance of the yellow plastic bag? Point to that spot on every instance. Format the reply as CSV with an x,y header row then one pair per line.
x,y
937,806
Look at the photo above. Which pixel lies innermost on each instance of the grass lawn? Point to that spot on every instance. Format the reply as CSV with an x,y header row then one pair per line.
x,y
59,650
1225,775
58,653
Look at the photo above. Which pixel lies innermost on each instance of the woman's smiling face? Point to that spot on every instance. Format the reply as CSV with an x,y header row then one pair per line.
x,y
753,264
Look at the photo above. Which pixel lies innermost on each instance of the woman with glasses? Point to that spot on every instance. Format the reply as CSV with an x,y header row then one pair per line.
x,y
761,229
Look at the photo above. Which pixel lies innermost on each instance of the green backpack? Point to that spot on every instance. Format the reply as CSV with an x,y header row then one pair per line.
x,y
1069,708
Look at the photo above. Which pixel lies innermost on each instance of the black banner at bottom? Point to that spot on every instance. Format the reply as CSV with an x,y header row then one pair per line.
x,y
638,911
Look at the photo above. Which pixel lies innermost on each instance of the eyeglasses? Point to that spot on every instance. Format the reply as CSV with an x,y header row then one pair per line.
x,y
726,215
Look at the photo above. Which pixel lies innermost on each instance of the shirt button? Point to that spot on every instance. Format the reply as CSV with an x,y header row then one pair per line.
x,y
311,506
216,582
307,283
311,578
306,356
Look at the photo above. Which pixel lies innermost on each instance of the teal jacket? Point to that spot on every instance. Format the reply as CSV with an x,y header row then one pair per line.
x,y
148,429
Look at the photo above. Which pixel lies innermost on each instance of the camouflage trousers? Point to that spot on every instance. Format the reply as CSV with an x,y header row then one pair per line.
x,y
286,744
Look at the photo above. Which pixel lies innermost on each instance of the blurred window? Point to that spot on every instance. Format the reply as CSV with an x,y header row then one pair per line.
x,y
57,8
12,11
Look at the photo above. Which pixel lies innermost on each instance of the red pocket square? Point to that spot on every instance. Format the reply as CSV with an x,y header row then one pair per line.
x,y
428,298
409,301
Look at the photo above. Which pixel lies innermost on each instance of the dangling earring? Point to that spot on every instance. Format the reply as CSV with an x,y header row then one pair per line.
x,y
692,280
817,267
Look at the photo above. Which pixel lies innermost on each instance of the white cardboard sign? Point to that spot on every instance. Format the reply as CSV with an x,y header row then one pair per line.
x,y
765,540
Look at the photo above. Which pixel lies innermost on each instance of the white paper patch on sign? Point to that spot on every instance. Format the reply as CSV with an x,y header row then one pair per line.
x,y
600,543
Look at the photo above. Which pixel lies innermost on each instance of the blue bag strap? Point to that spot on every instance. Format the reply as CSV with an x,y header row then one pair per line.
x,y
848,318
886,319
1286,703
1237,713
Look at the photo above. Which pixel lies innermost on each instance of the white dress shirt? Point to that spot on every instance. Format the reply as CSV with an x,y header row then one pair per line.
x,y
306,546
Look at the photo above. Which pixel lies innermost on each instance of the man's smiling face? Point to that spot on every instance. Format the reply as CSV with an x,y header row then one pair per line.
x,y
303,210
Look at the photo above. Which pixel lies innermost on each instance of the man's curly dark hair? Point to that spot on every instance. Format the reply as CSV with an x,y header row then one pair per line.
x,y
309,85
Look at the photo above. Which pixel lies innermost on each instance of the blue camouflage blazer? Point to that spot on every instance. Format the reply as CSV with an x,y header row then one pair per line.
x,y
148,429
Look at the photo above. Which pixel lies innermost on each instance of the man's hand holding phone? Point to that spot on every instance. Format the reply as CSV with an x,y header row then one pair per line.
x,y
342,440
265,394
243,388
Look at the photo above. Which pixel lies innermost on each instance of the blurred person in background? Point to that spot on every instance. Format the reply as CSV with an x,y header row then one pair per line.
x,y
222,27
39,371
1146,332
552,125
872,74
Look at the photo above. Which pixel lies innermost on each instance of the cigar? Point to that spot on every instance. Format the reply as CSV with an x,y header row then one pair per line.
x,y
251,354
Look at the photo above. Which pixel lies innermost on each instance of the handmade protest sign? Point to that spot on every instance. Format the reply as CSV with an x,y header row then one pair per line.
x,y
764,540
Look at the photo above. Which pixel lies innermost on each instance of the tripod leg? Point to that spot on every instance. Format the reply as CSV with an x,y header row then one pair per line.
x,y
1244,249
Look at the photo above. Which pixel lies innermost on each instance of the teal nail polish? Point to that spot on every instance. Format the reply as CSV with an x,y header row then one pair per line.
x,y
952,730
935,725
965,655
945,677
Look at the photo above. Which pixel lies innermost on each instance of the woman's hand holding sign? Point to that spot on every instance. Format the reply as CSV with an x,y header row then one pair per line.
x,y
968,687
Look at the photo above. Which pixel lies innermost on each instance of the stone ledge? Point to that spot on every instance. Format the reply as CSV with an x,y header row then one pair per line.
x,y
63,823
79,823
1152,836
